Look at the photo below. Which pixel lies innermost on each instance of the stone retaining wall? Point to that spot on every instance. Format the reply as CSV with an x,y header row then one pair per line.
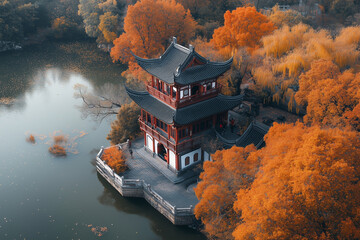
x,y
139,188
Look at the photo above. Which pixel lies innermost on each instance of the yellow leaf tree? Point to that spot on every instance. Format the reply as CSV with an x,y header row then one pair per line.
x,y
289,52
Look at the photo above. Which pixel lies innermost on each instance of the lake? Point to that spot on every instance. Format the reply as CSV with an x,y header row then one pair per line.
x,y
47,197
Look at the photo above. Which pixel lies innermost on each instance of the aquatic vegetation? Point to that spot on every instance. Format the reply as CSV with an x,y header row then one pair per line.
x,y
57,150
97,230
31,139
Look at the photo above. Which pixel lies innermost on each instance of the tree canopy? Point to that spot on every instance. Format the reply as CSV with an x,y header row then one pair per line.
x,y
304,184
243,27
306,188
103,18
230,171
289,52
126,125
17,18
331,98
148,27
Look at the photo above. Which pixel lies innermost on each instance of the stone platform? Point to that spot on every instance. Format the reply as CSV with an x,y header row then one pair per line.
x,y
163,189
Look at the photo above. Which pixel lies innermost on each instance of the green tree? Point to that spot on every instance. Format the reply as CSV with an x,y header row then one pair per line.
x,y
109,26
17,19
343,8
103,18
126,125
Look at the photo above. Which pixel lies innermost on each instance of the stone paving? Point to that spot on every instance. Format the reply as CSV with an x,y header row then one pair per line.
x,y
140,168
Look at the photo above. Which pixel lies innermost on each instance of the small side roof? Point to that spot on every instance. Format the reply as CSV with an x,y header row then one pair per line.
x,y
254,134
185,115
171,66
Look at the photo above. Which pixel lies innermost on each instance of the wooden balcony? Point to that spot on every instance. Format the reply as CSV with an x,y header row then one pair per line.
x,y
185,101
162,96
183,145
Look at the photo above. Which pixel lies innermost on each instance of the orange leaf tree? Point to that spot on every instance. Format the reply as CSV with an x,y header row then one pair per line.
x,y
243,27
148,26
332,98
115,159
230,171
308,186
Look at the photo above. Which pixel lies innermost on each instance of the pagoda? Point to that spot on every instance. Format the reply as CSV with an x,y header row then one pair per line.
x,y
181,105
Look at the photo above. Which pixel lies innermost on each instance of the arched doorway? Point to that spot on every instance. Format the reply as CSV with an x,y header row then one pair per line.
x,y
161,151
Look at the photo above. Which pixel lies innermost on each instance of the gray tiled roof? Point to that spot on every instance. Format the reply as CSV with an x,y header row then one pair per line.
x,y
185,115
215,105
254,134
152,105
169,67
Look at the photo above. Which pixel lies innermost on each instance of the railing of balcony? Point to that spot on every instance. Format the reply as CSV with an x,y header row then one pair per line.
x,y
161,96
168,99
182,145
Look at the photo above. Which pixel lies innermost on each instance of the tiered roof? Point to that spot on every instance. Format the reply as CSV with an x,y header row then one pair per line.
x,y
174,66
185,115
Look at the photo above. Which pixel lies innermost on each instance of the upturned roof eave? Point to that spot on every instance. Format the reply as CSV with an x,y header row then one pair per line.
x,y
148,65
185,115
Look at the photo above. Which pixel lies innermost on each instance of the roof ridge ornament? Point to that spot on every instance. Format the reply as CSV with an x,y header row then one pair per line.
x,y
174,40
191,48
177,72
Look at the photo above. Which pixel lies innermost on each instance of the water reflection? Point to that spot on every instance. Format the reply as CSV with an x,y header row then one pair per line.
x,y
43,197
138,206
19,68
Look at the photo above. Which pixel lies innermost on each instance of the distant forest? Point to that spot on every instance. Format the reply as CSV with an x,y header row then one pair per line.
x,y
32,21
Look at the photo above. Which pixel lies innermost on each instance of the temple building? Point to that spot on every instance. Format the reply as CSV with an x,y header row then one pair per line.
x,y
182,104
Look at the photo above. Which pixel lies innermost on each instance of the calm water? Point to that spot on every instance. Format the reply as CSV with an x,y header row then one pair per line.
x,y
44,197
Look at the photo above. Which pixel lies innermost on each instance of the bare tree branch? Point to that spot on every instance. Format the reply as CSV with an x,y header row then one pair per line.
x,y
102,102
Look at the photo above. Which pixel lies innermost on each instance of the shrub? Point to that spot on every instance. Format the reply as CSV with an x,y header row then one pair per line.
x,y
115,159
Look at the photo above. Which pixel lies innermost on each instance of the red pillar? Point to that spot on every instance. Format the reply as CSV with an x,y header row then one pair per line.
x,y
177,94
167,157
177,162
144,138
153,144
